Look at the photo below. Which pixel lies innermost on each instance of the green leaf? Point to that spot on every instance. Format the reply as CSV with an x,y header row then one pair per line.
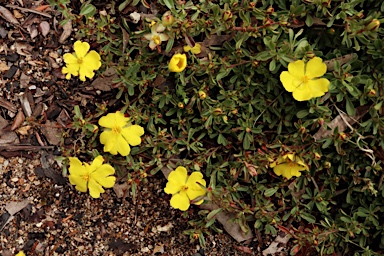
x,y
309,20
351,111
302,113
308,217
213,213
270,192
169,3
88,10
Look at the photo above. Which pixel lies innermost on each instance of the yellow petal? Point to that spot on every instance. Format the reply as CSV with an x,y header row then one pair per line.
x,y
79,181
20,253
173,187
315,68
84,71
132,134
319,87
96,163
179,174
112,120
69,58
303,93
95,189
178,62
289,81
76,166
81,48
187,48
102,176
92,60
296,68
180,201
194,183
114,143
196,49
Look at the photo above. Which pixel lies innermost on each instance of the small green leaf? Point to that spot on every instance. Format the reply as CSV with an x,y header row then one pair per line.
x,y
169,3
308,217
270,192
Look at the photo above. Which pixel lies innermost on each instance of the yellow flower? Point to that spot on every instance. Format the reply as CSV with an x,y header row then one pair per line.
x,y
20,253
184,188
82,63
178,62
119,134
93,177
195,49
156,37
289,165
303,79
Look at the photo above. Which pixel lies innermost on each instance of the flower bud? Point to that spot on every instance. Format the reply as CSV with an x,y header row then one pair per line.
x,y
373,25
331,31
359,15
302,130
343,136
252,4
326,3
248,130
284,23
270,10
327,164
196,236
310,55
234,111
227,15
320,121
95,128
217,111
372,93
167,19
316,155
180,105
225,119
202,95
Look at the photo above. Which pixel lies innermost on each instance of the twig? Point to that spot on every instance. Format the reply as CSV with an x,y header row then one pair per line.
x,y
28,10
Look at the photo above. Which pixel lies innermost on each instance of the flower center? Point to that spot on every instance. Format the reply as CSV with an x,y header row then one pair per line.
x,y
156,39
305,79
184,188
86,177
180,63
80,60
116,129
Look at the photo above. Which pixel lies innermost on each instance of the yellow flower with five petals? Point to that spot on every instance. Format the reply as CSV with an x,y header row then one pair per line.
x,y
119,134
302,79
178,62
82,63
93,177
289,165
184,188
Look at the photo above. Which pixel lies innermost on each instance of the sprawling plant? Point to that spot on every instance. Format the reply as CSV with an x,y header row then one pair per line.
x,y
277,103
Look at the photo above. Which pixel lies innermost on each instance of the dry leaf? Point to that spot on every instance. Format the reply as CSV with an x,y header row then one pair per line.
x,y
19,119
67,30
125,39
32,31
17,14
244,249
158,249
52,132
104,82
7,138
6,14
23,48
340,123
278,245
14,207
24,130
44,28
135,17
120,189
3,67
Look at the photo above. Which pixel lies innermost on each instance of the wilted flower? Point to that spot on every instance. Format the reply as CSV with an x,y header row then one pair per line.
x,y
119,134
289,165
178,62
93,177
156,37
195,49
184,188
82,63
303,79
